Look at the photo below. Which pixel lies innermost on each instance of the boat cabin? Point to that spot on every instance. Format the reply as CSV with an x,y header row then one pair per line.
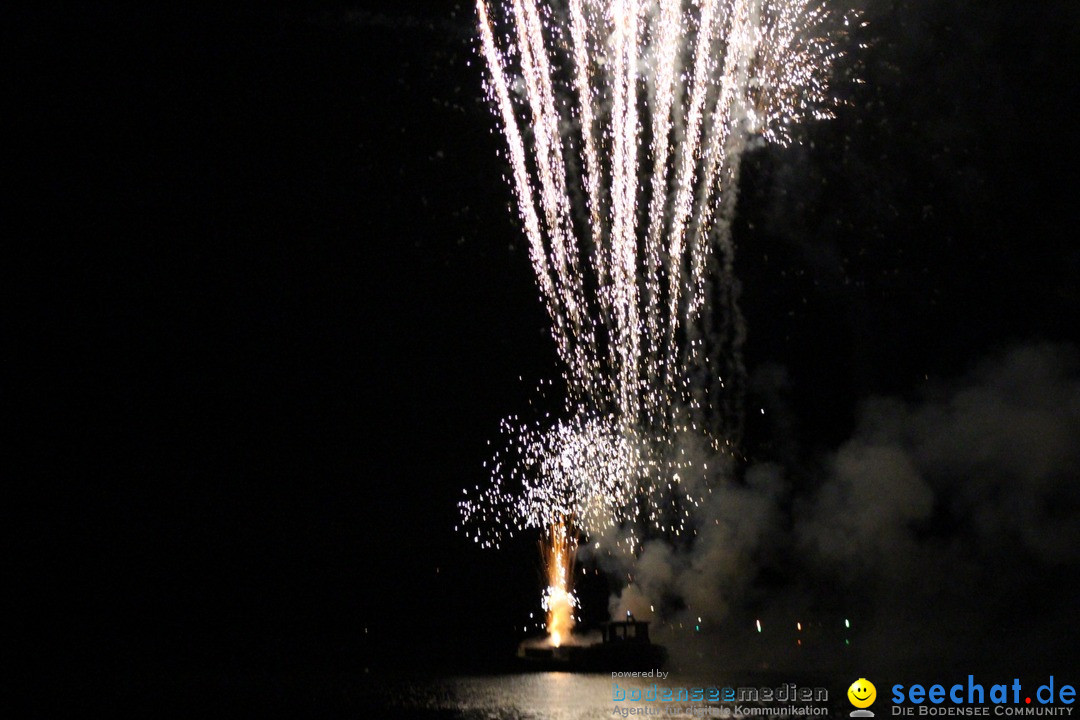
x,y
627,631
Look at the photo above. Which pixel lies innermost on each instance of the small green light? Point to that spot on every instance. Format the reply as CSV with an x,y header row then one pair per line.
x,y
846,641
697,628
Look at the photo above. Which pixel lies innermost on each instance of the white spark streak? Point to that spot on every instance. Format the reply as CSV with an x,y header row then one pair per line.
x,y
652,101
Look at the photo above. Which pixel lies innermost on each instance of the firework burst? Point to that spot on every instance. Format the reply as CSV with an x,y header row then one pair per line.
x,y
625,121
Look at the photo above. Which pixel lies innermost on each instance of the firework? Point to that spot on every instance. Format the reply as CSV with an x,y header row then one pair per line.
x,y
558,551
625,122
646,108
585,468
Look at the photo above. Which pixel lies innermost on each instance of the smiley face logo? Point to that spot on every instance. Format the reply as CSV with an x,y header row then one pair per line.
x,y
862,693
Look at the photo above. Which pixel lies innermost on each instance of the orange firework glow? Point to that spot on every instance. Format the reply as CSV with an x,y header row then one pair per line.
x,y
558,551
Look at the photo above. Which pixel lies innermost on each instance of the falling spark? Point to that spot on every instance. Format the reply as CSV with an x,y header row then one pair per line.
x,y
624,289
625,122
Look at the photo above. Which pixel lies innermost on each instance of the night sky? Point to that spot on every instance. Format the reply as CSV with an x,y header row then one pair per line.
x,y
271,302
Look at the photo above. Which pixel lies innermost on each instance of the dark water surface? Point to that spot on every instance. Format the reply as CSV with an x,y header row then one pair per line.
x,y
554,696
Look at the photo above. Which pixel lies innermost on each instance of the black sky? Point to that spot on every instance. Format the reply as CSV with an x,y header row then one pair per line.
x,y
271,303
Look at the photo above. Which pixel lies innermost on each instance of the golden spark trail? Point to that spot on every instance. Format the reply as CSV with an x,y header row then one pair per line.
x,y
558,551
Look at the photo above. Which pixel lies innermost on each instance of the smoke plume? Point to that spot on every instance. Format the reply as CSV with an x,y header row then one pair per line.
x,y
929,529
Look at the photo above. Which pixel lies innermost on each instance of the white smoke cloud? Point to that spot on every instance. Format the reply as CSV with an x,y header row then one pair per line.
x,y
705,577
997,454
931,524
